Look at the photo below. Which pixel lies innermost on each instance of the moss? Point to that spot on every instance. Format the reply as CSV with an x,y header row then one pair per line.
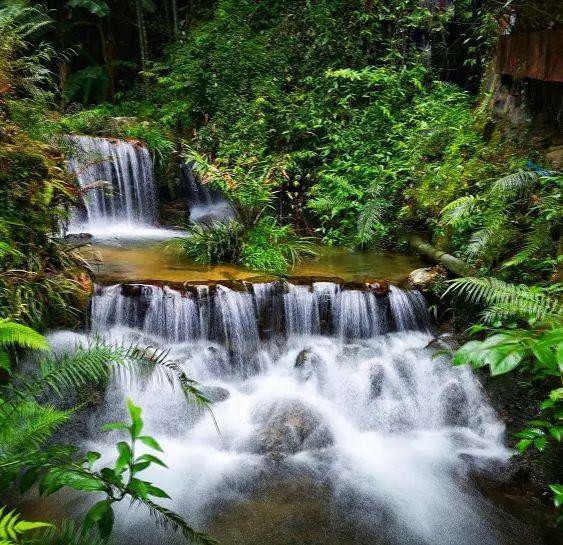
x,y
22,166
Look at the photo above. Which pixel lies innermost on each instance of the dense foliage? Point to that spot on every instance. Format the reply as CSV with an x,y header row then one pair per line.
x,y
353,121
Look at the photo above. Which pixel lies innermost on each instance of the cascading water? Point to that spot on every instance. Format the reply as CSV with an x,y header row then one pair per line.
x,y
337,424
205,203
123,170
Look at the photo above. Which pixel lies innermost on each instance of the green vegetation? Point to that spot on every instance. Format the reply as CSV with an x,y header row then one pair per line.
x,y
354,122
28,424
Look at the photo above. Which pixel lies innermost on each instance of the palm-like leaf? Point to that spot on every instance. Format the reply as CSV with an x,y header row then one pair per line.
x,y
507,300
12,526
459,211
27,425
514,185
67,534
14,334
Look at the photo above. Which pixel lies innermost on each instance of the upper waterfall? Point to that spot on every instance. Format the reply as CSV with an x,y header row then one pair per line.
x,y
117,179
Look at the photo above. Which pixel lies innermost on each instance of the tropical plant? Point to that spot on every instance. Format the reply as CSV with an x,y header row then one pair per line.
x,y
118,482
14,334
24,64
503,301
12,527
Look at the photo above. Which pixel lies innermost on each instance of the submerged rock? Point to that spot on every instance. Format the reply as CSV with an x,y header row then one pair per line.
x,y
376,381
289,426
216,394
76,240
308,363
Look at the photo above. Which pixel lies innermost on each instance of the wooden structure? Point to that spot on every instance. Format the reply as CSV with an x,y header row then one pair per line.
x,y
535,55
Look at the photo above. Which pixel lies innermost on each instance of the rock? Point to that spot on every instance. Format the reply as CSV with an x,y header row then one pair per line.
x,y
216,394
376,381
554,156
307,362
454,402
289,426
75,240
131,290
379,287
446,341
424,279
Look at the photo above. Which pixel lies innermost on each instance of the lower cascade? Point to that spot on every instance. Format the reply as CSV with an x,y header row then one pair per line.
x,y
334,421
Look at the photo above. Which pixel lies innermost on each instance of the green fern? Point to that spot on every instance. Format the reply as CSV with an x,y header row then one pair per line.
x,y
28,425
514,185
14,334
370,218
536,241
488,241
68,533
502,299
459,211
12,526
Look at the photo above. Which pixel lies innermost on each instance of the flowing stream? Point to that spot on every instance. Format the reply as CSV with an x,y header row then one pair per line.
x,y
334,422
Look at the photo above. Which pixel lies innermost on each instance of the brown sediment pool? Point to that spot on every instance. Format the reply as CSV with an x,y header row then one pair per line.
x,y
151,261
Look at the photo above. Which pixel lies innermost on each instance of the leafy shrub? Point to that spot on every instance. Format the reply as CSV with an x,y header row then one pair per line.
x,y
265,246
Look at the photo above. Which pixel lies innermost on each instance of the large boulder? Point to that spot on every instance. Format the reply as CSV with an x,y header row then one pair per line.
x,y
288,426
424,279
215,394
308,363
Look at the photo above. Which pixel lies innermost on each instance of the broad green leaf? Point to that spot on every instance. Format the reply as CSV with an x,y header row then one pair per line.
x,y
137,422
556,432
100,514
503,359
92,457
124,458
150,442
150,458
115,426
157,492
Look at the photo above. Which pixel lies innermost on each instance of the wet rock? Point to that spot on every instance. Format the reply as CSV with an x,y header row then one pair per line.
x,y
308,363
131,290
379,287
446,341
289,426
216,394
425,279
376,381
454,403
76,240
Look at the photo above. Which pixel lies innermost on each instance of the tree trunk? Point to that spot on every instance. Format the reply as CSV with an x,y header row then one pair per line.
x,y
142,35
453,264
108,54
175,17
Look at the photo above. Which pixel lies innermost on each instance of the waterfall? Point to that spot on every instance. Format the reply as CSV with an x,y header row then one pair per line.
x,y
264,310
205,203
333,412
117,178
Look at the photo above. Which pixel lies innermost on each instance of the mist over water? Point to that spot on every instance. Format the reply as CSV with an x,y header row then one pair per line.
x,y
336,422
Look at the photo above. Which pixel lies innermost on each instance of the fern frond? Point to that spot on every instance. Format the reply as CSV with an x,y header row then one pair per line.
x,y
12,526
14,334
27,425
370,219
514,185
68,533
168,518
518,300
536,241
459,211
